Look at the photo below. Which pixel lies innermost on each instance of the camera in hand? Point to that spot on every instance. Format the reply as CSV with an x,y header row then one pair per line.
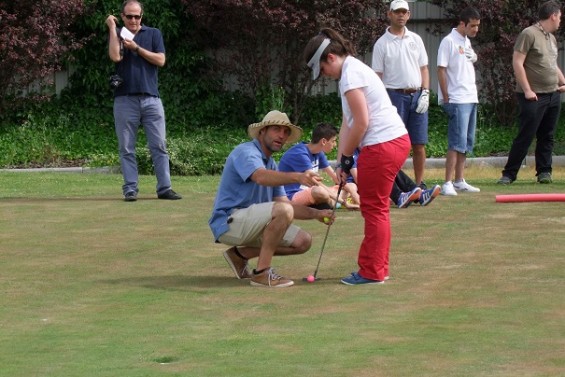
x,y
116,81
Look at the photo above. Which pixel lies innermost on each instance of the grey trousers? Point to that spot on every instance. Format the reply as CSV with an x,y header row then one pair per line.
x,y
129,113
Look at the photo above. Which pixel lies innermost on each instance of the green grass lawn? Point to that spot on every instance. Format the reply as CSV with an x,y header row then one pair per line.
x,y
94,286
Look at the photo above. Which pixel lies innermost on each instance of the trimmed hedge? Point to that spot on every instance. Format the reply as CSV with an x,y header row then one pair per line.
x,y
59,134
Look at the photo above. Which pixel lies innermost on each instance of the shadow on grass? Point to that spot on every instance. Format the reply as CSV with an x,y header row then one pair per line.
x,y
59,198
178,282
75,198
188,283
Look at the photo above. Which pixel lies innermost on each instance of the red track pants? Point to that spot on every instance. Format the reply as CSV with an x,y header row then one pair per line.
x,y
377,167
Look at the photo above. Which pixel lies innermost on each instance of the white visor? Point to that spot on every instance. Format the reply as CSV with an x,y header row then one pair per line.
x,y
314,63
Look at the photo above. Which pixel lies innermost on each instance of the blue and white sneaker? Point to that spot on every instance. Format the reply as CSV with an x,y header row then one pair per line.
x,y
406,198
356,279
429,195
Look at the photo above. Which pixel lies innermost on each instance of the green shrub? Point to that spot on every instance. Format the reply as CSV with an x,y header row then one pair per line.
x,y
199,153
326,108
50,137
80,131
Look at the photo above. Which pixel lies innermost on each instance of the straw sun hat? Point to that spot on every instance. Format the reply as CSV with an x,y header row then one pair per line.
x,y
275,118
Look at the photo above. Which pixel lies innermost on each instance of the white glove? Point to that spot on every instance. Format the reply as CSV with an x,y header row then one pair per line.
x,y
470,54
423,101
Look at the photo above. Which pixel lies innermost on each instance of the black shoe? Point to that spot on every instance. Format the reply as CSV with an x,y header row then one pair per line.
x,y
423,186
169,195
545,177
130,196
505,180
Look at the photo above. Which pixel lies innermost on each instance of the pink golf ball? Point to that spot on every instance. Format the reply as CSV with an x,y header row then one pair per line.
x,y
310,278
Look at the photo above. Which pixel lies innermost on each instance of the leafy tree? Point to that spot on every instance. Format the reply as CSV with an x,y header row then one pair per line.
x,y
190,93
92,65
259,43
36,38
501,22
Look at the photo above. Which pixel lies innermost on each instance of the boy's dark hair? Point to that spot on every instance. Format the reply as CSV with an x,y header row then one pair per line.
x,y
469,14
323,131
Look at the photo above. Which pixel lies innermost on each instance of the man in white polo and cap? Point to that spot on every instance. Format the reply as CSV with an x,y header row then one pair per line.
x,y
252,212
401,61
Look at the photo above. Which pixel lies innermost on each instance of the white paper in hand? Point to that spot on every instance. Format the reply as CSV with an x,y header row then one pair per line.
x,y
126,34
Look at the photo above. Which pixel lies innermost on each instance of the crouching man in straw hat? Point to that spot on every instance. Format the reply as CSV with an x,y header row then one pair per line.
x,y
252,212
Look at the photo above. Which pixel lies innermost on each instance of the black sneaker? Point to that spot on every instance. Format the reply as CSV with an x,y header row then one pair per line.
x,y
505,180
169,195
423,186
544,177
130,196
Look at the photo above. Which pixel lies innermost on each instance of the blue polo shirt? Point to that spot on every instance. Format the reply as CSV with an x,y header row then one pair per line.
x,y
236,189
139,75
298,158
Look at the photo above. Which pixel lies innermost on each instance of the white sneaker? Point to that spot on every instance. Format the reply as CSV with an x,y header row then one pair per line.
x,y
464,186
447,189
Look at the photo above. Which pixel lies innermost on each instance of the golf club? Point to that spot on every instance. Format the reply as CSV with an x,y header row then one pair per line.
x,y
326,237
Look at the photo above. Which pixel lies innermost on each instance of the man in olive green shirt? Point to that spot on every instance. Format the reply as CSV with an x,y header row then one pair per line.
x,y
539,84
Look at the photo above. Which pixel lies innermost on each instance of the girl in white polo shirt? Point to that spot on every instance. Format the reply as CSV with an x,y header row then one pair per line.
x,y
370,122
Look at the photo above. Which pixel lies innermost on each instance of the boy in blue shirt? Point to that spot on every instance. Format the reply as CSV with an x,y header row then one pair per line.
x,y
311,156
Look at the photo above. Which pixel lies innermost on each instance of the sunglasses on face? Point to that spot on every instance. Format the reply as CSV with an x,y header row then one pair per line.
x,y
130,16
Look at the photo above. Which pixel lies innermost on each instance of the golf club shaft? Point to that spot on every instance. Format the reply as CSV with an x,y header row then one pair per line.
x,y
328,231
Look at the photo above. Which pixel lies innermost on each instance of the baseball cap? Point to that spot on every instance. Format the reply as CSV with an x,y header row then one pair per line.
x,y
399,4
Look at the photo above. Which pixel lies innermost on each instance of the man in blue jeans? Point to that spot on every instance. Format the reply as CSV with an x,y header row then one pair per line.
x,y
138,52
401,61
539,84
459,98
